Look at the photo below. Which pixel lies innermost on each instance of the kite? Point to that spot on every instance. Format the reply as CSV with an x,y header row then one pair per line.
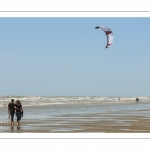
x,y
109,35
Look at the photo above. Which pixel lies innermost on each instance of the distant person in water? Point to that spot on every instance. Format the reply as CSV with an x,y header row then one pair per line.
x,y
19,111
137,99
11,111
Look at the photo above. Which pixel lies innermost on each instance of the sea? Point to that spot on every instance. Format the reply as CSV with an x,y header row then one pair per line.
x,y
60,100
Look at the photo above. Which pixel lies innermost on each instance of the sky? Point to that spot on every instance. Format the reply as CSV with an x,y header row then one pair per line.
x,y
66,56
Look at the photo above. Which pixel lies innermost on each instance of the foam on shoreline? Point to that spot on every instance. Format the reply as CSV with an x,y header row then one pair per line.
x,y
59,100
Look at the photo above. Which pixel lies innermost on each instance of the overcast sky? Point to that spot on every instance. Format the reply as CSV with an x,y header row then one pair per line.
x,y
67,57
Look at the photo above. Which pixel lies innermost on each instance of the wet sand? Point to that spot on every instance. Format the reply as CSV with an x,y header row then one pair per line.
x,y
38,120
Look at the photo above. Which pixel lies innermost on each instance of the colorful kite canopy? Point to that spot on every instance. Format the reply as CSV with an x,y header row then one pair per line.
x,y
108,33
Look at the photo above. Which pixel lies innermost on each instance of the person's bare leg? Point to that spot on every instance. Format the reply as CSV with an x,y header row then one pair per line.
x,y
12,120
18,123
12,123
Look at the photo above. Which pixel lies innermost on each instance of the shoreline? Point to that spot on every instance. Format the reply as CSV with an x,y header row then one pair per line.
x,y
78,119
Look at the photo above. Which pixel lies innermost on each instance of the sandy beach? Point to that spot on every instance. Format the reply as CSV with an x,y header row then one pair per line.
x,y
79,118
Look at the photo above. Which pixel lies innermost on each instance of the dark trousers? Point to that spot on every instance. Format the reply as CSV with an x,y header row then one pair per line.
x,y
18,115
12,117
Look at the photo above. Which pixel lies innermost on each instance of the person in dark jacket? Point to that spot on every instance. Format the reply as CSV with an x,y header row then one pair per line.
x,y
11,111
19,111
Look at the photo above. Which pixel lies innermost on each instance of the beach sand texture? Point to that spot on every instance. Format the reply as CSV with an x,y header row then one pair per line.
x,y
79,118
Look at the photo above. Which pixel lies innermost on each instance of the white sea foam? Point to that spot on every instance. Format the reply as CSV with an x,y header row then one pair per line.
x,y
59,100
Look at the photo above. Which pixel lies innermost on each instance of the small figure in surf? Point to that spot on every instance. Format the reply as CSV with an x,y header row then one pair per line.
x,y
137,100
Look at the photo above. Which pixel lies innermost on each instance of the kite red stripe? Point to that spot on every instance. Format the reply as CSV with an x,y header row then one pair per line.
x,y
108,32
108,44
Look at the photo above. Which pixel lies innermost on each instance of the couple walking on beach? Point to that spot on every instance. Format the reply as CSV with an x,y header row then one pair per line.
x,y
15,108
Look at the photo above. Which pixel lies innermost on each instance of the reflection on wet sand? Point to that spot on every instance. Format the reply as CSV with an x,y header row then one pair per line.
x,y
18,128
12,128
15,128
